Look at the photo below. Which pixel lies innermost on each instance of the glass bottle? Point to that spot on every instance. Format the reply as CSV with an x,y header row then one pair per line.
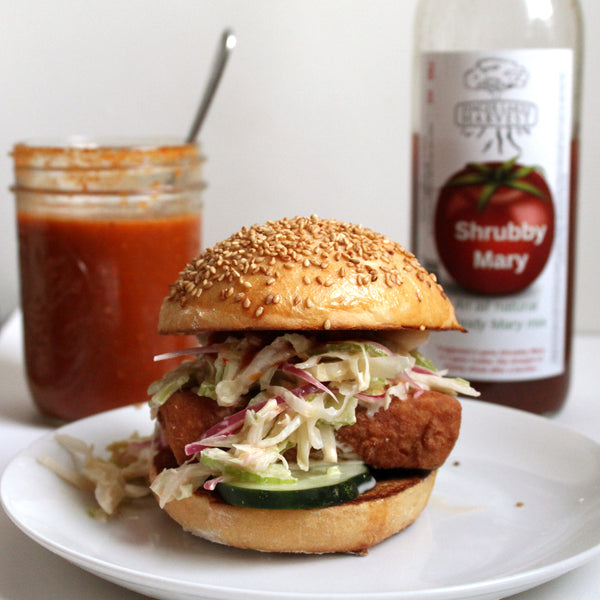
x,y
495,154
104,228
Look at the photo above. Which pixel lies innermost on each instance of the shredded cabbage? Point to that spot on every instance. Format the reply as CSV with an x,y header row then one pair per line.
x,y
293,392
236,382
179,483
121,477
164,388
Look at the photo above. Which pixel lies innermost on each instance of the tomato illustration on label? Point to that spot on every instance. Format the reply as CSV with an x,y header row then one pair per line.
x,y
494,226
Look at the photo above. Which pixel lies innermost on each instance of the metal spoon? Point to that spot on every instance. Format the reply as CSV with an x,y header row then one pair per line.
x,y
226,45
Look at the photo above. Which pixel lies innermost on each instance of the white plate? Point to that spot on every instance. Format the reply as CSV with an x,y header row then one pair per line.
x,y
517,504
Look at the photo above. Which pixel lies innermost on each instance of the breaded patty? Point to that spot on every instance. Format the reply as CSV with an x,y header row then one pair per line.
x,y
416,433
185,416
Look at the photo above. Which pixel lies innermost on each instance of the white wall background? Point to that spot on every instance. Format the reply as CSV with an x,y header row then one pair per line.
x,y
313,114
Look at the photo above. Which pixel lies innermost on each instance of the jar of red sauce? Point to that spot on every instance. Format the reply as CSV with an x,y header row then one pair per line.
x,y
103,229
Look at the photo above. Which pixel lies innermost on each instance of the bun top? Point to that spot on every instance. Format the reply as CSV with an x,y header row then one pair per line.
x,y
305,273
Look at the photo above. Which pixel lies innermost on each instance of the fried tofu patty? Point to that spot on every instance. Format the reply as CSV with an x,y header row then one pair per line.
x,y
185,416
416,433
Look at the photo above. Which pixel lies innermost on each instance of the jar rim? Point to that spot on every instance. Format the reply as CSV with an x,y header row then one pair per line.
x,y
103,153
84,142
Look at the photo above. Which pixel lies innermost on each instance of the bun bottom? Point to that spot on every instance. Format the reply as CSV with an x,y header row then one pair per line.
x,y
352,527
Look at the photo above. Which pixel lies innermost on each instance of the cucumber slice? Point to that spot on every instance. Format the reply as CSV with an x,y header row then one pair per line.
x,y
325,484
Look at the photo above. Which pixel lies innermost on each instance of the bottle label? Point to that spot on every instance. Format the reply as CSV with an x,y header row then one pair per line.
x,y
492,206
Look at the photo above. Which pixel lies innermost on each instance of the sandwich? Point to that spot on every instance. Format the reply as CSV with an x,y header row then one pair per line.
x,y
306,419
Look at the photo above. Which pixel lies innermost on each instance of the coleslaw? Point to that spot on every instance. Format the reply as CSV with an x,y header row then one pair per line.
x,y
293,391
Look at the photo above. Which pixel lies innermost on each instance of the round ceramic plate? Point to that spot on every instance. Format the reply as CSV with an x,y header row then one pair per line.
x,y
517,504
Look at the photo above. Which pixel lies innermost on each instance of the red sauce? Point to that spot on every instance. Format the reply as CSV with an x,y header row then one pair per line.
x,y
91,292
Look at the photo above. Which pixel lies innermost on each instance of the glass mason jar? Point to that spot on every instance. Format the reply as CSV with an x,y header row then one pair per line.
x,y
103,229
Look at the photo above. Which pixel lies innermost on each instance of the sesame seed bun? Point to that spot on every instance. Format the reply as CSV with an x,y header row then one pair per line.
x,y
355,526
305,274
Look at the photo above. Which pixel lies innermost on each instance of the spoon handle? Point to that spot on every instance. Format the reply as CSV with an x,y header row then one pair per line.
x,y
226,45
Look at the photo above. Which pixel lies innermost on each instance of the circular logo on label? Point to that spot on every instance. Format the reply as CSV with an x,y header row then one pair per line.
x,y
494,226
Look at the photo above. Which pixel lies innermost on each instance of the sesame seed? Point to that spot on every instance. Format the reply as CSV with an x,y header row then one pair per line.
x,y
261,251
269,299
259,311
246,303
327,324
309,303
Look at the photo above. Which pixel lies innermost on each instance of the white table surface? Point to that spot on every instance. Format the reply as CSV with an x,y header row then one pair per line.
x,y
29,572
